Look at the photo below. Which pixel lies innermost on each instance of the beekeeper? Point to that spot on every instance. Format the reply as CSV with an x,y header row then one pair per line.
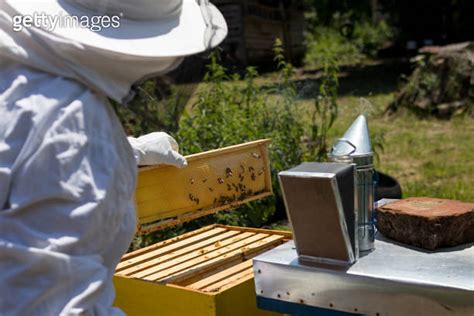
x,y
67,171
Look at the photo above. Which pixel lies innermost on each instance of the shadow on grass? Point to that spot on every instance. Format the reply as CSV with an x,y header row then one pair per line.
x,y
360,81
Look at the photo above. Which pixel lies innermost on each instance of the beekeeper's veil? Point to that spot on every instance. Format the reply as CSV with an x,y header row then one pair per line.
x,y
109,44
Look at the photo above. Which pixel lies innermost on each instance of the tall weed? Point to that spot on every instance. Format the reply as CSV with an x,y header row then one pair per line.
x,y
228,113
232,109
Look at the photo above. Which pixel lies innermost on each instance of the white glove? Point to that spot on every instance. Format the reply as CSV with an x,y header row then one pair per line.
x,y
155,149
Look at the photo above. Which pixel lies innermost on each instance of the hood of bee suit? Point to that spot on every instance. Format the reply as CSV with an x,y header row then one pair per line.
x,y
110,72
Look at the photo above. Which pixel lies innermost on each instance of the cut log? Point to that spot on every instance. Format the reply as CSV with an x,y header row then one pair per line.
x,y
427,222
442,83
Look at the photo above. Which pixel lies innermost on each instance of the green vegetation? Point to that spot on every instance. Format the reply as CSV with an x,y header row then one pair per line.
x,y
232,109
440,85
328,41
146,113
429,157
303,117
351,43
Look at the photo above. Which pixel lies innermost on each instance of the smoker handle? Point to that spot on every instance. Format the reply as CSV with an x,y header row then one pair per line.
x,y
344,140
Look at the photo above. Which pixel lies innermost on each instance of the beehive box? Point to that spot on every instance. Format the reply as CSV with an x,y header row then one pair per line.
x,y
207,271
204,272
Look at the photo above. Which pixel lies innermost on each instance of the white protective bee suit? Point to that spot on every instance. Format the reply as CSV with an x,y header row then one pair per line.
x,y
67,171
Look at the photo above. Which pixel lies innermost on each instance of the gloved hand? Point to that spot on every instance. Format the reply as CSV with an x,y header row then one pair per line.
x,y
157,148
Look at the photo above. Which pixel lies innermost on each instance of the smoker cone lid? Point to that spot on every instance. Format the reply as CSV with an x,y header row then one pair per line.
x,y
356,140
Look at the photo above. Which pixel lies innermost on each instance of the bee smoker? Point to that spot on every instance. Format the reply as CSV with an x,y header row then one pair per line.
x,y
354,147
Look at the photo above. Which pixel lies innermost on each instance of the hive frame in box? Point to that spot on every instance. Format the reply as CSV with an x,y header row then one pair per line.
x,y
223,287
203,272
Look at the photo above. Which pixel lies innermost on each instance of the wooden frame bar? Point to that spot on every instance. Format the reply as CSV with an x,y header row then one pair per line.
x,y
205,271
213,181
194,261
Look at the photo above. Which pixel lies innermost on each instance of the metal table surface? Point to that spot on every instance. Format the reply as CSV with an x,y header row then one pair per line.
x,y
393,279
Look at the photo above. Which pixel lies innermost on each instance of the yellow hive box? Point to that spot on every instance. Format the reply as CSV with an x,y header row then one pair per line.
x,y
207,271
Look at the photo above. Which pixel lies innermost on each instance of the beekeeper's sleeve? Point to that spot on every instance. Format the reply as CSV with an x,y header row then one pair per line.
x,y
67,175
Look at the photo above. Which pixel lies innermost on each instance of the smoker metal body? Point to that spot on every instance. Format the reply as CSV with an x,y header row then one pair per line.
x,y
364,198
393,279
319,199
354,147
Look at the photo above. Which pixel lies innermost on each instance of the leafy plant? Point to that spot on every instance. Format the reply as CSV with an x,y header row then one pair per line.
x,y
151,109
324,113
227,113
349,43
232,109
326,43
370,37
440,85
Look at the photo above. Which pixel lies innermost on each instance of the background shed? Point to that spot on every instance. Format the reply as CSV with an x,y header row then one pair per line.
x,y
254,25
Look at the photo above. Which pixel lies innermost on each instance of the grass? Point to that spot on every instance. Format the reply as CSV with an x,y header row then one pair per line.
x,y
429,157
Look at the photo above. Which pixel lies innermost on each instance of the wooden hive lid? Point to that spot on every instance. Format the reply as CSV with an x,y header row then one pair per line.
x,y
214,180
